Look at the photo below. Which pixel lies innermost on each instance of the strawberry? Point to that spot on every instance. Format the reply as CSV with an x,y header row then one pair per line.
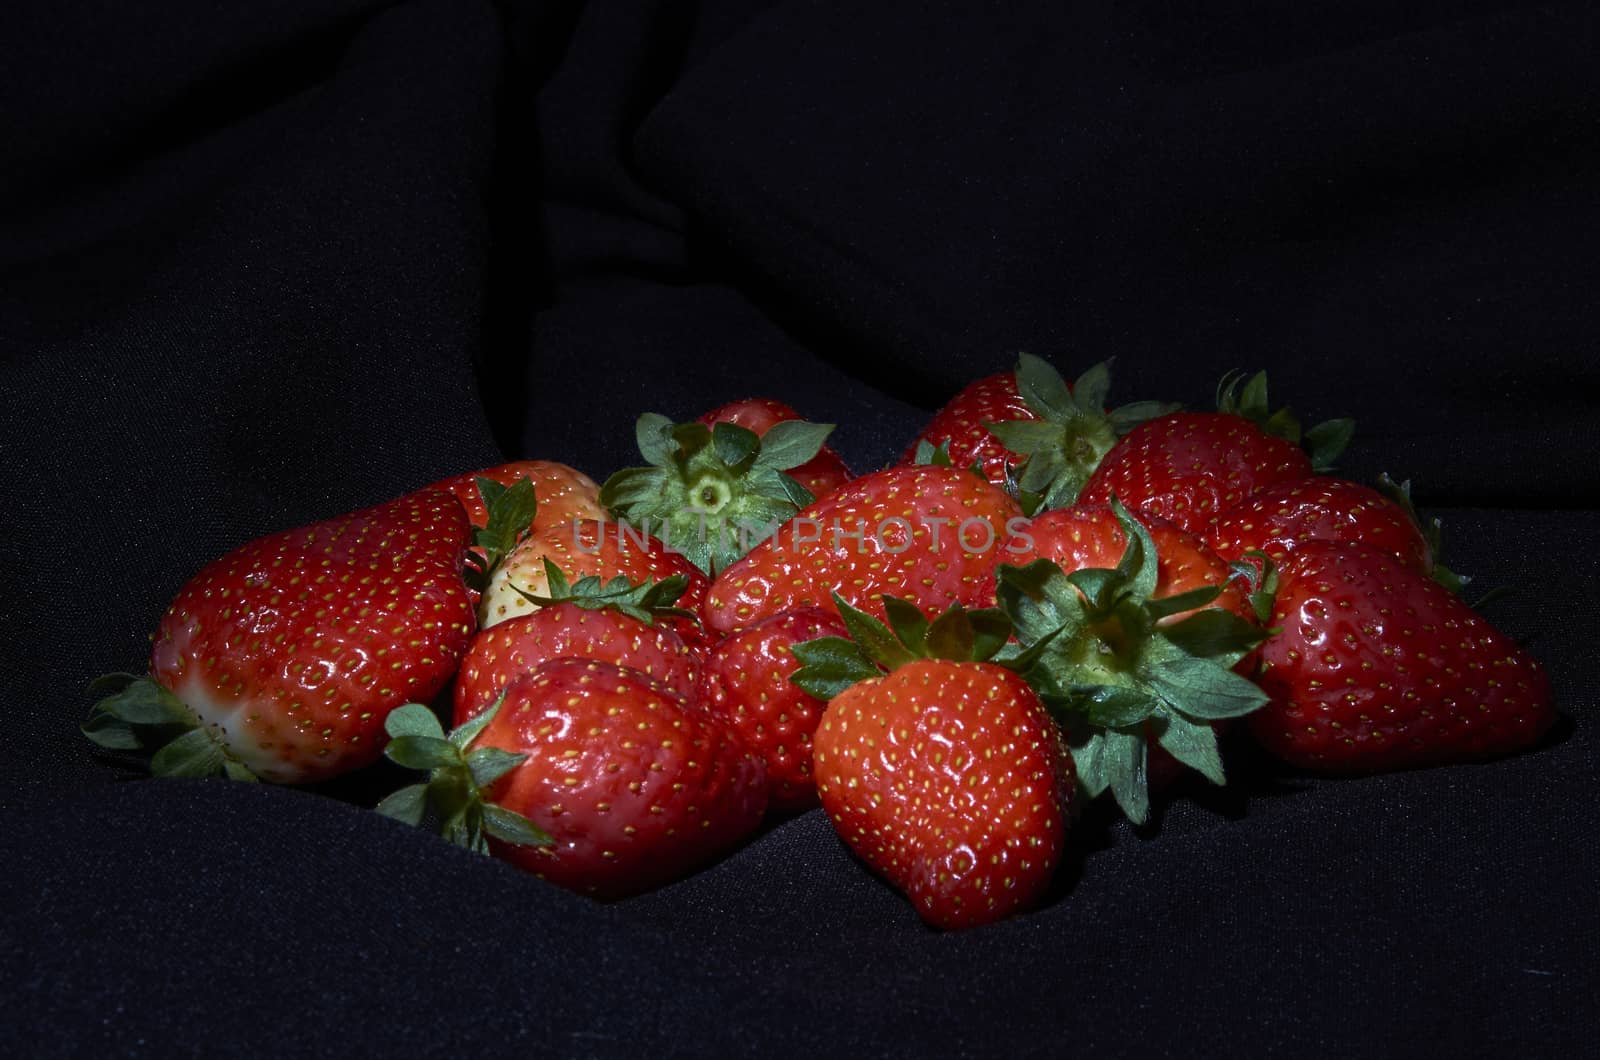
x,y
507,502
564,493
1137,633
281,660
1186,467
945,774
584,547
745,682
1376,666
927,532
1280,518
1032,415
1091,535
712,492
614,622
822,474
586,774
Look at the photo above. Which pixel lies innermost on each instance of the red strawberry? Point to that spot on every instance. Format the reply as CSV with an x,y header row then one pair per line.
x,y
1138,632
1090,535
564,493
283,658
822,474
950,780
961,426
940,768
1032,415
617,622
745,682
1378,667
1186,467
589,775
1280,518
925,532
585,547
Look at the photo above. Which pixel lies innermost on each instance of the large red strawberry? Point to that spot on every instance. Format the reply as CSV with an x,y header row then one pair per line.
x,y
1186,467
281,659
944,773
1138,633
711,492
745,681
1030,418
578,549
615,622
1376,666
589,775
927,533
822,474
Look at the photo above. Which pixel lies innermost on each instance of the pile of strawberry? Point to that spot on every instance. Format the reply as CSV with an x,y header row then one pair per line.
x,y
1045,600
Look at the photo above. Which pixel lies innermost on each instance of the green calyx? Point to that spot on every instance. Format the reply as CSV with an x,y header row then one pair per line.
x,y
1073,432
138,718
1115,675
1432,533
452,800
829,665
713,493
1247,398
511,510
645,601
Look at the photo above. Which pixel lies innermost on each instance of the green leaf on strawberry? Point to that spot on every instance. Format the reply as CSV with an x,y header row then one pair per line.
x,y
1117,671
1247,398
140,716
644,600
713,493
511,510
457,779
1073,432
829,665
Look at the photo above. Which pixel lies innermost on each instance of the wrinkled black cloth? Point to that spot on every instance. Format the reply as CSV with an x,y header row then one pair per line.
x,y
260,265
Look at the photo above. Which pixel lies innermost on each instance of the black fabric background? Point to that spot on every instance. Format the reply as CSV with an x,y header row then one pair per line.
x,y
260,268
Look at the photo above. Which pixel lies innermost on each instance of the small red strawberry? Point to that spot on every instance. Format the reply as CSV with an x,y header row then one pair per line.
x,y
711,492
928,533
1186,467
615,622
1032,415
1138,633
961,426
745,682
822,474
1378,667
564,493
585,547
281,660
586,774
945,774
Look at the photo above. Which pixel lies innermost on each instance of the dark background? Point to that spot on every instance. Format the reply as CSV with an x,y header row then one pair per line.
x,y
259,269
